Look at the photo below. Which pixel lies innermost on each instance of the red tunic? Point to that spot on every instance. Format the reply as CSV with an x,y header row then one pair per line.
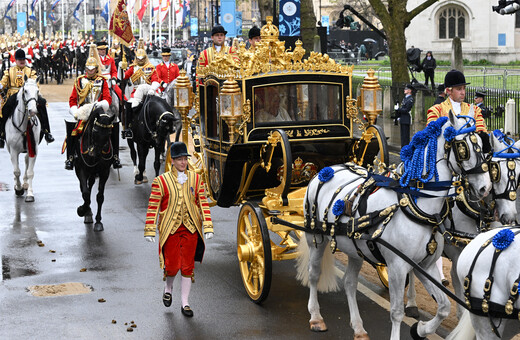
x,y
109,65
167,74
105,93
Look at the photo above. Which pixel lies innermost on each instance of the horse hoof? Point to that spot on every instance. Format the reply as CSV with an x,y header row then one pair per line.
x,y
19,192
412,312
88,219
414,334
29,199
318,326
137,182
145,179
98,226
361,336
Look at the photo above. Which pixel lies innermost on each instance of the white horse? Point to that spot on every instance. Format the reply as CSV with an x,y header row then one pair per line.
x,y
22,132
504,275
505,176
416,241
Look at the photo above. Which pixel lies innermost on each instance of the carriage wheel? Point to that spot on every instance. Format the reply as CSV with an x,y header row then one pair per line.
x,y
254,252
372,144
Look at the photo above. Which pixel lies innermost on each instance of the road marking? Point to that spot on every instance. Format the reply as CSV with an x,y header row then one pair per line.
x,y
386,305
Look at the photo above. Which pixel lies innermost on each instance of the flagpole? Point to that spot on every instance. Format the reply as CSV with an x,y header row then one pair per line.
x,y
151,31
85,24
40,16
170,25
63,16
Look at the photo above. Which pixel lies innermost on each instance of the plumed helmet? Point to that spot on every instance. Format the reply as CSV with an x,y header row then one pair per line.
x,y
140,54
93,60
254,32
218,29
178,149
19,54
454,78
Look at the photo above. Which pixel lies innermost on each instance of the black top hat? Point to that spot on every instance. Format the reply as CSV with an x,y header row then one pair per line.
x,y
19,54
409,87
166,51
218,29
454,78
480,93
101,44
178,149
254,32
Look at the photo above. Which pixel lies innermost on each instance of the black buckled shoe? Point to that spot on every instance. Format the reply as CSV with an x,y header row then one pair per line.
x,y
69,165
49,138
117,163
167,299
186,311
127,134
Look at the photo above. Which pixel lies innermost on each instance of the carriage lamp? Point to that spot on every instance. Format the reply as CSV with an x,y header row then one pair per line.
x,y
371,100
231,105
183,101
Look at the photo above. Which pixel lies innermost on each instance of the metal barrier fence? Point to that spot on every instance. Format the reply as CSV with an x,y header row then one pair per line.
x,y
500,85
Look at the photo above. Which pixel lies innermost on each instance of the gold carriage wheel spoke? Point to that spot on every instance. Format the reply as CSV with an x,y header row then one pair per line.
x,y
245,237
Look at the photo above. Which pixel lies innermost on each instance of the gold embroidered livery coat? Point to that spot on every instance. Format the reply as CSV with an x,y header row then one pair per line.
x,y
172,204
443,109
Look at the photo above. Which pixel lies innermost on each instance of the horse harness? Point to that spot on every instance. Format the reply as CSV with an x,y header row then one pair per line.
x,y
146,122
90,149
483,306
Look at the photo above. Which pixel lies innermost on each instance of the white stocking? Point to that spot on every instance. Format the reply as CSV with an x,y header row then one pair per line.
x,y
185,290
169,284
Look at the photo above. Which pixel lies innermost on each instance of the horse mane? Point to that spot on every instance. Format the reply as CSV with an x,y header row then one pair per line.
x,y
412,154
9,106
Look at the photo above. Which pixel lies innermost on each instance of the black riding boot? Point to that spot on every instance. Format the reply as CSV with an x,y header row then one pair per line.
x,y
127,122
2,132
71,141
44,119
114,138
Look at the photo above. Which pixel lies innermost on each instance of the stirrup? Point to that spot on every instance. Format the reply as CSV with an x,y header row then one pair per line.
x,y
127,134
49,138
69,165
117,163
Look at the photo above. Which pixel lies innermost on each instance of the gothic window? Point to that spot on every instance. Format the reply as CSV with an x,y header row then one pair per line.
x,y
452,23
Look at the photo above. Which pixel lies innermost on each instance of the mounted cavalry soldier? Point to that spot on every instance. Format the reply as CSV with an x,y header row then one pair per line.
x,y
12,81
167,71
90,91
140,72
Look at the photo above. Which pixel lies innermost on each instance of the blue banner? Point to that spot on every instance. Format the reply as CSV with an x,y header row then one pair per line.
x,y
104,13
289,18
76,10
93,25
32,16
227,18
45,19
21,22
194,31
9,6
325,22
238,23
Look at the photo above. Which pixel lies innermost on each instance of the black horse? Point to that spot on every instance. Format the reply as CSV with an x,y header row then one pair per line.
x,y
93,157
151,127
59,63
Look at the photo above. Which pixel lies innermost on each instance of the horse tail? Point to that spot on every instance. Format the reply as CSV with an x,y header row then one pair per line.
x,y
464,329
328,281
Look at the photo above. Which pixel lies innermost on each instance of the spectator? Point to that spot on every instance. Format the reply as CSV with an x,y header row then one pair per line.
x,y
404,116
441,96
479,102
428,65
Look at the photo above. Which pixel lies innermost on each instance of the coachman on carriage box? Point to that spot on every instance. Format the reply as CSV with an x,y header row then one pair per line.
x,y
12,81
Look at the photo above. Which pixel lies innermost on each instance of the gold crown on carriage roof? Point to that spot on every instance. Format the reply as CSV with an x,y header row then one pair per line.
x,y
270,56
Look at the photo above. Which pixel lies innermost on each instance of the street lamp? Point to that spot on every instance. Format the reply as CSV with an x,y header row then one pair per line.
x,y
371,97
231,105
183,101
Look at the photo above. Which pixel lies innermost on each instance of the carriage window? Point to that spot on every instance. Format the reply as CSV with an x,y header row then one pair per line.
x,y
211,111
297,102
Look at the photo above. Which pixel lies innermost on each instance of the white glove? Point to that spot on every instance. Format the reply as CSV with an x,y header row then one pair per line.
x,y
113,82
150,239
155,85
73,111
164,85
209,236
120,64
151,92
102,104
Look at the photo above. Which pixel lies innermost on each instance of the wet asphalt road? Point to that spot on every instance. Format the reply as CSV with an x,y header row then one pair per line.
x,y
123,269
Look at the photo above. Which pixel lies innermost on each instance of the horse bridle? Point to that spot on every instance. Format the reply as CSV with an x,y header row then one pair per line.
x,y
26,113
91,147
509,154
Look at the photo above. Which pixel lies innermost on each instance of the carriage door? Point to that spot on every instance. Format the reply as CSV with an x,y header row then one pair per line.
x,y
212,136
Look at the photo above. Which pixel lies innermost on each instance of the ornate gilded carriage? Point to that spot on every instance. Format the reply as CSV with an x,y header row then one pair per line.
x,y
266,122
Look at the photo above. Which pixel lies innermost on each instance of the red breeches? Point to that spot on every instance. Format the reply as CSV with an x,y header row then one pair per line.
x,y
179,252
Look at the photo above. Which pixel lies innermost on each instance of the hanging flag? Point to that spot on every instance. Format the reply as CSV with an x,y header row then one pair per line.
x,y
140,13
186,14
165,6
9,6
21,22
194,27
228,16
238,23
75,14
120,24
289,18
178,13
104,13
33,5
130,6
51,13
